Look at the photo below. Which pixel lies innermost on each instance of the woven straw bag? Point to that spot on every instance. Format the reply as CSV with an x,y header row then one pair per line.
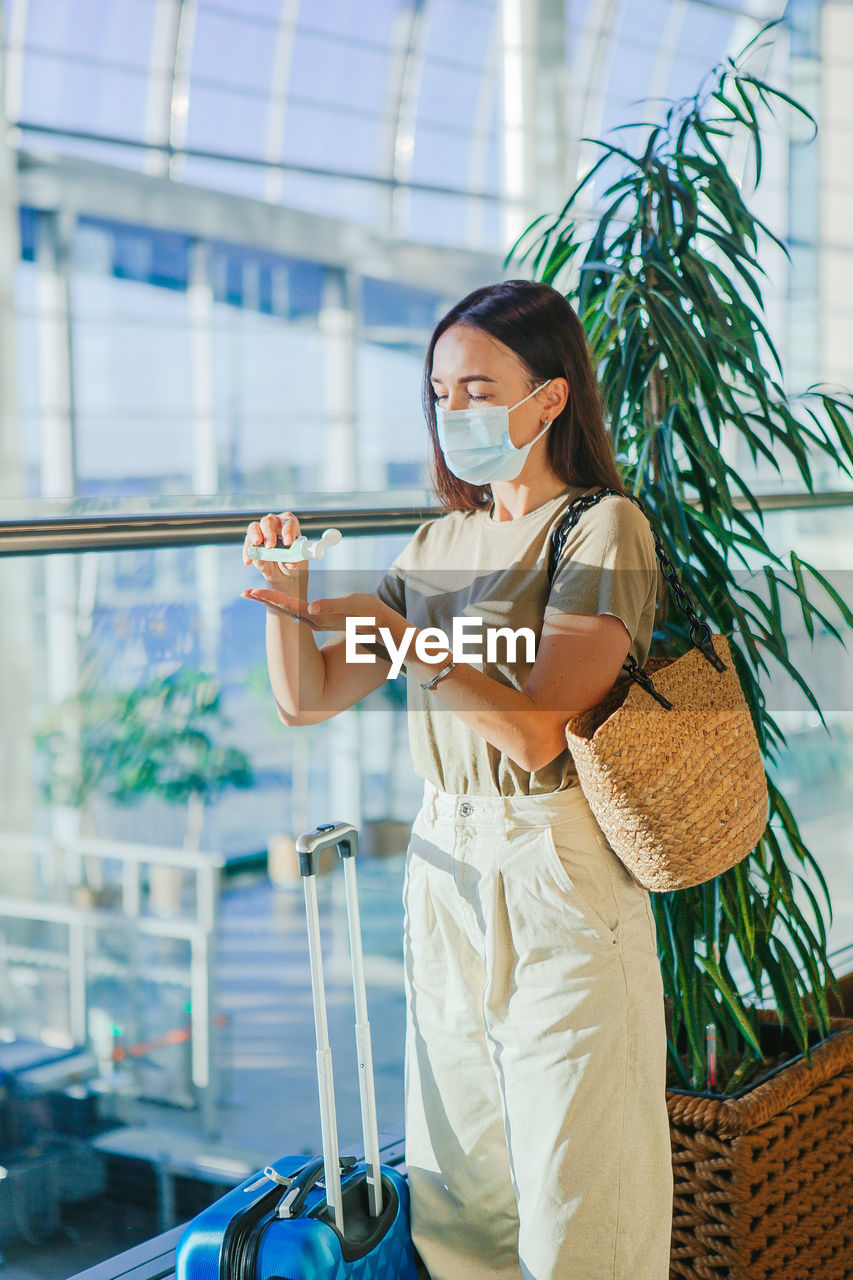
x,y
671,767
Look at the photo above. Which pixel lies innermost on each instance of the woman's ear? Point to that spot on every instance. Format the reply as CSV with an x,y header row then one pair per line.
x,y
555,397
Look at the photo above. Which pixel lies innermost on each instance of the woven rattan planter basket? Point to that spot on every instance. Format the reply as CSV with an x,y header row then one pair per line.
x,y
764,1181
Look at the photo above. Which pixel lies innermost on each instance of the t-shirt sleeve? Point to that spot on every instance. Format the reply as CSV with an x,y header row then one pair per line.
x,y
608,565
392,588
391,591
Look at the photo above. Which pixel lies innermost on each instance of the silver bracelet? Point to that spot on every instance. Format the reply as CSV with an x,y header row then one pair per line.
x,y
428,684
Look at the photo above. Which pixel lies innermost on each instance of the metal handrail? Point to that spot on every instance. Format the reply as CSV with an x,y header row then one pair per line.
x,y
54,534
66,914
156,855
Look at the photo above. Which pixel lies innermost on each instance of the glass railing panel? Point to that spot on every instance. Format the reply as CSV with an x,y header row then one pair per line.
x,y
111,932
34,979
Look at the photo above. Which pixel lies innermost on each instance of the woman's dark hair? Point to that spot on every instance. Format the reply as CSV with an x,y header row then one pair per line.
x,y
542,328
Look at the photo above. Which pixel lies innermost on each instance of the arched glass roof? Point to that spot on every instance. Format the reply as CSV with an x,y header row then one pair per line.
x,y
390,113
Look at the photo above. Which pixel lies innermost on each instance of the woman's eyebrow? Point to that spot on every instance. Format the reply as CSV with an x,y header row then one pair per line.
x,y
469,377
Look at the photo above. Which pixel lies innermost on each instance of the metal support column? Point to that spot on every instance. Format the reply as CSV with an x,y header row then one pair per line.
x,y
16,771
274,184
833,232
203,999
58,479
806,191
534,132
341,473
205,450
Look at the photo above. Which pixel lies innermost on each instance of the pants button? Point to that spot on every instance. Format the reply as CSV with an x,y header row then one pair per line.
x,y
465,808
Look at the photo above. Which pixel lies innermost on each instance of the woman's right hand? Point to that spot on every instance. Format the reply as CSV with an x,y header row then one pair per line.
x,y
268,531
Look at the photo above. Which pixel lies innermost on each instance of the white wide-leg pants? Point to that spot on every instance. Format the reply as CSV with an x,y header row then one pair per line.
x,y
537,1136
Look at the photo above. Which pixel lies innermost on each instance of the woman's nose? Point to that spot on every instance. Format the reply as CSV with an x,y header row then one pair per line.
x,y
457,398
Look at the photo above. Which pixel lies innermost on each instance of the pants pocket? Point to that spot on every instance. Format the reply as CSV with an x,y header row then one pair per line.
x,y
580,866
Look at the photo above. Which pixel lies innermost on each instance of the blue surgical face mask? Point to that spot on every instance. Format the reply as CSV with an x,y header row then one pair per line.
x,y
476,442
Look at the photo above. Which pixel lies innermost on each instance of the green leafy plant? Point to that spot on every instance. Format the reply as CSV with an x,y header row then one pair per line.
x,y
160,740
668,285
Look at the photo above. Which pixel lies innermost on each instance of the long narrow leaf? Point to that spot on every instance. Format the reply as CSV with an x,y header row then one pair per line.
x,y
668,285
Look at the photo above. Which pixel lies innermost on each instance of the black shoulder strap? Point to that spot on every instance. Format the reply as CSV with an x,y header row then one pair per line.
x,y
573,513
700,632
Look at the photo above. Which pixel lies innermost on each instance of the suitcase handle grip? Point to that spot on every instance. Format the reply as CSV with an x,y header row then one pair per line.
x,y
292,1202
310,844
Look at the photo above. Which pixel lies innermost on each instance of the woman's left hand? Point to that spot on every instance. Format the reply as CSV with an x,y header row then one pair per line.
x,y
331,614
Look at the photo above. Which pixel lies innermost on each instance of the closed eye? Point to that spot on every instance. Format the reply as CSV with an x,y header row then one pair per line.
x,y
438,398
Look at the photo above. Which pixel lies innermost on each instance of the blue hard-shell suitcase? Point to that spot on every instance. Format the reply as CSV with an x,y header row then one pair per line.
x,y
327,1218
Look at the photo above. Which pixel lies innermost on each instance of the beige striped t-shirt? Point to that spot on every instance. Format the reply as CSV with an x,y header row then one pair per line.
x,y
468,565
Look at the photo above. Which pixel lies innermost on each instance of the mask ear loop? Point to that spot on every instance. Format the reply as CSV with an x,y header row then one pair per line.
x,y
530,395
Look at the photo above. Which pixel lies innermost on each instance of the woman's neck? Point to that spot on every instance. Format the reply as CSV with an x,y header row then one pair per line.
x,y
511,500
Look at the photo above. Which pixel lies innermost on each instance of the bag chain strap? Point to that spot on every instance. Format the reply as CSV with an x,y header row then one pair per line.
x,y
700,632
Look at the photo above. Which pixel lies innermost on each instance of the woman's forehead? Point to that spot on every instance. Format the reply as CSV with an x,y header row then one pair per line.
x,y
463,351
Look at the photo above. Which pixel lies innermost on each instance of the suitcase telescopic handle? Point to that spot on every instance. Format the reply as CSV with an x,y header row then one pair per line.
x,y
309,845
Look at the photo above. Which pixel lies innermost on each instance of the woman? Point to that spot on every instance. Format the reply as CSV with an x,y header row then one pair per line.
x,y
537,1137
